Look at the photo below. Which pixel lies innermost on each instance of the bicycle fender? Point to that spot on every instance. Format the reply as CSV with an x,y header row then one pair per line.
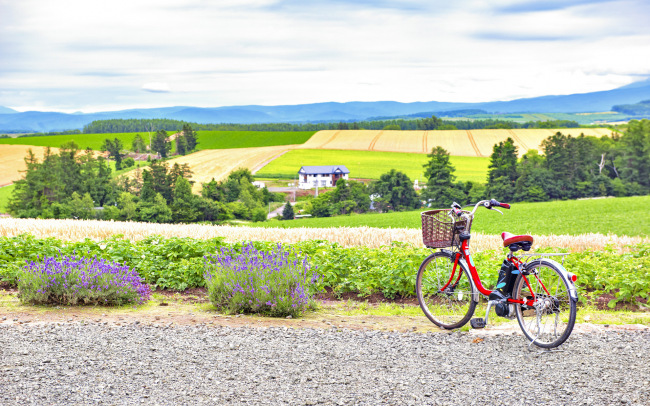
x,y
573,292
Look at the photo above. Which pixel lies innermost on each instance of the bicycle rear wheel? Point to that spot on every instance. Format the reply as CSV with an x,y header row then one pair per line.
x,y
447,297
548,322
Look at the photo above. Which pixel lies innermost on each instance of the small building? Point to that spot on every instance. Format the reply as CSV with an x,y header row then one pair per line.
x,y
310,177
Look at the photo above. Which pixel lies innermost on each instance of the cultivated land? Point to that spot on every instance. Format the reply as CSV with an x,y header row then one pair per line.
x,y
218,163
620,216
92,141
207,139
370,164
248,139
5,193
12,161
456,142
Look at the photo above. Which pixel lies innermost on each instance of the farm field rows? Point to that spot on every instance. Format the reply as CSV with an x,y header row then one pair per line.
x,y
218,163
12,161
370,164
620,216
458,142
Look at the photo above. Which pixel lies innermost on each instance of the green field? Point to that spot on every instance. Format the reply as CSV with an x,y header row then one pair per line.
x,y
92,141
371,164
5,193
246,139
620,216
207,139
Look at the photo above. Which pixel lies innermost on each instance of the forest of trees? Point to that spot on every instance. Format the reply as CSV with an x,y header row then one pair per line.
x,y
570,168
427,123
75,184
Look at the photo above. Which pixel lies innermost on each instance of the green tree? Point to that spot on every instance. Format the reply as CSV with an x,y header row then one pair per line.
x,y
502,171
114,148
287,212
81,207
138,145
155,210
395,191
183,209
635,161
181,144
441,188
190,137
160,143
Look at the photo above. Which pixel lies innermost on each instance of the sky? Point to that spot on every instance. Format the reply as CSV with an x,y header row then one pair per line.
x,y
89,55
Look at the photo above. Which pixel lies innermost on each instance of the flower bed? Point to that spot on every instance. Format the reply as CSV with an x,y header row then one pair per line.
x,y
73,280
276,283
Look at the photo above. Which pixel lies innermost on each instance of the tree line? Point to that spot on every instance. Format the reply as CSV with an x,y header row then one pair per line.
x,y
569,168
426,123
76,184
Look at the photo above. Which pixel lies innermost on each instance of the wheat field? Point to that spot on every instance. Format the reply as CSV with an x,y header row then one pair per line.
x,y
456,142
12,161
75,230
218,163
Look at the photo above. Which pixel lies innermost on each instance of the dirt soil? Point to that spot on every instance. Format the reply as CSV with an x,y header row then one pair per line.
x,y
191,307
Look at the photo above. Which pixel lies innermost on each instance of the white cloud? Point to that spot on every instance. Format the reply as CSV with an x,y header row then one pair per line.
x,y
79,55
156,87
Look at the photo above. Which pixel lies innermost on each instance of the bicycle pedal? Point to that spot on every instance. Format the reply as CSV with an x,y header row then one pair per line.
x,y
477,323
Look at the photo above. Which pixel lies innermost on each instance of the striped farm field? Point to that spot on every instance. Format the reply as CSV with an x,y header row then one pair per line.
x,y
218,163
12,161
477,143
370,164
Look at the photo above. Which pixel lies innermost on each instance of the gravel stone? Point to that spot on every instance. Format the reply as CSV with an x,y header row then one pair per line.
x,y
107,364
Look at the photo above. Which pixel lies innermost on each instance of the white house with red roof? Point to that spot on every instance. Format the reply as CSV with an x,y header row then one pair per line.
x,y
310,177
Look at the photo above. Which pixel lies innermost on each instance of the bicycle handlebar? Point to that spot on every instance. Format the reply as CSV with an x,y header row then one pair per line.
x,y
488,204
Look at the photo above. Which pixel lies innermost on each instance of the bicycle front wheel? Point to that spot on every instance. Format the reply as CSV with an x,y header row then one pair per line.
x,y
547,320
447,296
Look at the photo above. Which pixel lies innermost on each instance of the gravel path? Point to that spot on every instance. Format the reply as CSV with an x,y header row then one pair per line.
x,y
71,363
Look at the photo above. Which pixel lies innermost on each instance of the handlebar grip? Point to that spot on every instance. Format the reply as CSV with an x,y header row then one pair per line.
x,y
494,202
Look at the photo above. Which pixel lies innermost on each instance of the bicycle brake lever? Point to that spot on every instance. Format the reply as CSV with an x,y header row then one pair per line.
x,y
496,210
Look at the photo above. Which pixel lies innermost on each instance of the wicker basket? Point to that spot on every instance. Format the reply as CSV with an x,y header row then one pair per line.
x,y
439,228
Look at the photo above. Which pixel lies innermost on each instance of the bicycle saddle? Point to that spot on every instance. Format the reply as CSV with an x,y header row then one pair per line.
x,y
517,242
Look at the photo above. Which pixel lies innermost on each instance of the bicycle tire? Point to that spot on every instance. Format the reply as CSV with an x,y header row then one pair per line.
x,y
453,307
551,321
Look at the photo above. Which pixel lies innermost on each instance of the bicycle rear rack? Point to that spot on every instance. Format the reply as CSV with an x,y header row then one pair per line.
x,y
548,254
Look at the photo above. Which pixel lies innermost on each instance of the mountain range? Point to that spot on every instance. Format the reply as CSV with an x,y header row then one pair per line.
x,y
40,121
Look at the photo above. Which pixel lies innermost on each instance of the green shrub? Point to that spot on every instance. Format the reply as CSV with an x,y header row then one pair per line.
x,y
76,280
276,283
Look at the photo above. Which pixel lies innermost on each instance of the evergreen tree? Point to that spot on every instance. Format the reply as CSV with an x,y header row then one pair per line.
x,y
441,190
160,143
138,145
287,212
502,171
190,138
182,207
114,148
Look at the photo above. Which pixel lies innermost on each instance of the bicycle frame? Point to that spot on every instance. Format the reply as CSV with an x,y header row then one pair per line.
x,y
467,256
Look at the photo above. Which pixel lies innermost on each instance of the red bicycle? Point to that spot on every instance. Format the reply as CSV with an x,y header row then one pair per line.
x,y
539,292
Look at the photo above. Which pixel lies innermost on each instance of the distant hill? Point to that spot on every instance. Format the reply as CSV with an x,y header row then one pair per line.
x,y
638,109
12,121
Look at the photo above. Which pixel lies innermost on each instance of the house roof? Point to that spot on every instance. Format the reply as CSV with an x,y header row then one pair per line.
x,y
314,170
